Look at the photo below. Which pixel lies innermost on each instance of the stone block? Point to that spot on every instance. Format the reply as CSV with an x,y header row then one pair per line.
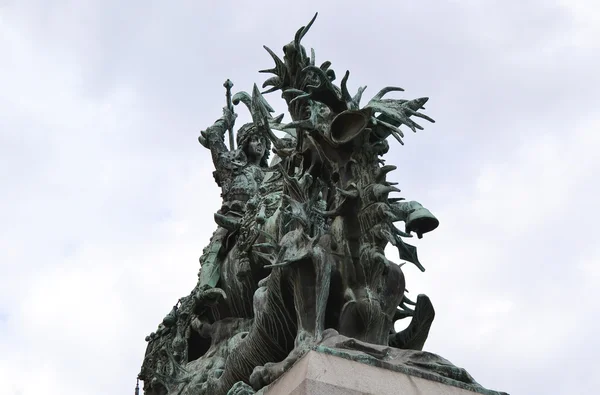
x,y
324,374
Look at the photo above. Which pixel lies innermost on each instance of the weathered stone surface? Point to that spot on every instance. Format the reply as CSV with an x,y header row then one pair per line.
x,y
325,374
298,253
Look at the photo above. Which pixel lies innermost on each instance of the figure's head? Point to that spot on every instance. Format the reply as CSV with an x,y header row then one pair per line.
x,y
253,144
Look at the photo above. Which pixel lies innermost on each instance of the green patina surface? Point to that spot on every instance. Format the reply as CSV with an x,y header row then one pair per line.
x,y
298,250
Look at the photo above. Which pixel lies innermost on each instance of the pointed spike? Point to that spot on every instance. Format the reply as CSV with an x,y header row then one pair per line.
x,y
345,94
358,96
279,64
273,89
405,308
397,264
385,90
416,125
418,114
397,136
325,65
393,189
392,128
416,104
381,190
421,268
300,97
395,199
302,32
273,81
260,101
293,91
382,172
388,168
408,301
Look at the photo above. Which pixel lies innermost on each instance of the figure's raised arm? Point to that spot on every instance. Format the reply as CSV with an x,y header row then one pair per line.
x,y
213,137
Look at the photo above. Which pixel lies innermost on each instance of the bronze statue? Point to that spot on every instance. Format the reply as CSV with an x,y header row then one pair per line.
x,y
297,262
239,172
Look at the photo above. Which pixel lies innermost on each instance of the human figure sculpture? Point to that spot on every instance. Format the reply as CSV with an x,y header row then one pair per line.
x,y
239,172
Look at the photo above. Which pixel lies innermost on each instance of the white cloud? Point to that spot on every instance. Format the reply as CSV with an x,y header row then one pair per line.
x,y
540,179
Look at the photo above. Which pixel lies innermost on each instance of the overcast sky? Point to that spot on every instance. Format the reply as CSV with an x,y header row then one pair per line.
x,y
107,198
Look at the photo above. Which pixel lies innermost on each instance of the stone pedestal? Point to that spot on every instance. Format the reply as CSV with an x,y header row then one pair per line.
x,y
319,373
